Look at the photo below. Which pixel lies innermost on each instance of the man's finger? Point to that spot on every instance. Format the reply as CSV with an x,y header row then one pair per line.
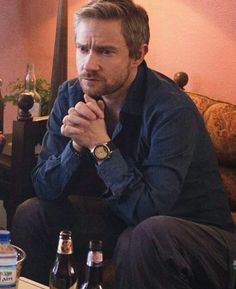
x,y
88,98
85,111
94,105
71,131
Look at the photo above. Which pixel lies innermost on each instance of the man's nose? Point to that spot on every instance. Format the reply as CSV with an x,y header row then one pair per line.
x,y
91,61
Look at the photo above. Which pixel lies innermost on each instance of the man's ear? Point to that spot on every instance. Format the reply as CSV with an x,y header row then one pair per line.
x,y
141,54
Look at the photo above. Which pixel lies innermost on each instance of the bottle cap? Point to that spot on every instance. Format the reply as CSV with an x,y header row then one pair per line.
x,y
234,264
95,245
65,234
4,235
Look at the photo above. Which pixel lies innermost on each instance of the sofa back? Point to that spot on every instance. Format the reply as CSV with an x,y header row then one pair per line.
x,y
220,121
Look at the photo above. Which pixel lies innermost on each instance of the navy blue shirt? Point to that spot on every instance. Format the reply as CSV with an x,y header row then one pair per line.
x,y
164,163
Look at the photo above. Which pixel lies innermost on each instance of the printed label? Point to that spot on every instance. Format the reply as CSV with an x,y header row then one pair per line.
x,y
65,247
94,258
8,276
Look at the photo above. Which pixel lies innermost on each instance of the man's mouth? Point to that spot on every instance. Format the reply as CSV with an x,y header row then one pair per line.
x,y
89,78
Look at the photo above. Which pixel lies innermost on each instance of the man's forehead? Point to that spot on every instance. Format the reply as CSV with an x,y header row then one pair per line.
x,y
102,31
97,26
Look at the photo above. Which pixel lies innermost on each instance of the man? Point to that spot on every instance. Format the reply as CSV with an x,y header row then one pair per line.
x,y
134,149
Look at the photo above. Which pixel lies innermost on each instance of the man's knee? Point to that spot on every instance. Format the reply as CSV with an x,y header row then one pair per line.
x,y
151,228
155,227
158,230
27,210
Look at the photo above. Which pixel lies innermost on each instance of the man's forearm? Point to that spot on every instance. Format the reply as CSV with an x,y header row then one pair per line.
x,y
51,176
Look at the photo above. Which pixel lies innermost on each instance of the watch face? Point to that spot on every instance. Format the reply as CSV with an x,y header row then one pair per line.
x,y
101,152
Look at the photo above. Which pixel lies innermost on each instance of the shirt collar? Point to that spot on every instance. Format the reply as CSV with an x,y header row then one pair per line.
x,y
136,94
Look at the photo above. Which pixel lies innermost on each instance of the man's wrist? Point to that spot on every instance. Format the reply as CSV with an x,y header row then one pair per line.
x,y
75,148
102,151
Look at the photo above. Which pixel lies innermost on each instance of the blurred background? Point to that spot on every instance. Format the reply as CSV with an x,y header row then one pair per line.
x,y
198,37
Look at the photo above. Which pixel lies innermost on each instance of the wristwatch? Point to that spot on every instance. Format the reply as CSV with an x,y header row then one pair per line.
x,y
103,151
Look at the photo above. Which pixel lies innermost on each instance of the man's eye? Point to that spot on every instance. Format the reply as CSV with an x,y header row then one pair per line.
x,y
82,49
105,51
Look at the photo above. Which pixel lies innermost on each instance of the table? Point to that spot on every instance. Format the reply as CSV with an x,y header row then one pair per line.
x,y
25,283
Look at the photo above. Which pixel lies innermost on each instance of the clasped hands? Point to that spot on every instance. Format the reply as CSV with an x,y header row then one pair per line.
x,y
85,124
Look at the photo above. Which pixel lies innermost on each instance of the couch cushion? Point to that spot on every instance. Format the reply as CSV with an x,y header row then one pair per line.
x,y
220,120
202,102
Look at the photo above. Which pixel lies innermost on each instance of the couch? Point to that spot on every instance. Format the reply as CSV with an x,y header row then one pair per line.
x,y
220,121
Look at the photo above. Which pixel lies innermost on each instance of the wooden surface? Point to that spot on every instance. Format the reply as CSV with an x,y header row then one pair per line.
x,y
59,68
25,283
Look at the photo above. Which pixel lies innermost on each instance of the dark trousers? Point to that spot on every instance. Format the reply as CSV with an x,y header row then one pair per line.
x,y
171,253
161,252
37,223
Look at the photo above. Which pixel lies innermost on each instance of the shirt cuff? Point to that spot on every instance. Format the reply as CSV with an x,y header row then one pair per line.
x,y
70,158
112,172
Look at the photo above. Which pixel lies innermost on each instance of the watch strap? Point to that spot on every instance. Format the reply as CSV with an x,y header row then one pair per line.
x,y
111,145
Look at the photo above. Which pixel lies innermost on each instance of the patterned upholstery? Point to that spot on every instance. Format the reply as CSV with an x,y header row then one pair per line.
x,y
220,120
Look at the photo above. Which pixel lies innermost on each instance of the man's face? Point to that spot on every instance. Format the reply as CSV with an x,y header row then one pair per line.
x,y
102,57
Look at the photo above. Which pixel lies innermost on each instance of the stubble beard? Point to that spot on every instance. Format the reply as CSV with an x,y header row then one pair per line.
x,y
102,87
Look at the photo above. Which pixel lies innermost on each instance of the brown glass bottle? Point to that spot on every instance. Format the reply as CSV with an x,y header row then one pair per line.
x,y
63,274
94,266
234,275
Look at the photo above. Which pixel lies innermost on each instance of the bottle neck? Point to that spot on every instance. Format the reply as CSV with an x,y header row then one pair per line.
x,y
64,252
93,276
94,268
234,275
65,247
63,259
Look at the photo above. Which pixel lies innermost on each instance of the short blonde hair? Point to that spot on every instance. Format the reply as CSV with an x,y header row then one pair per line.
x,y
134,20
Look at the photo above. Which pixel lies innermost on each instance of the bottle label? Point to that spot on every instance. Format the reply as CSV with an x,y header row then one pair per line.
x,y
8,276
95,258
65,247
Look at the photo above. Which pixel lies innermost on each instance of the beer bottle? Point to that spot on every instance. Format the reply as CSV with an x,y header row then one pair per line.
x,y
234,275
63,274
94,266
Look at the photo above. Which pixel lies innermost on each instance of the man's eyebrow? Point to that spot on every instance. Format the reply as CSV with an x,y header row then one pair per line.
x,y
79,44
97,47
107,47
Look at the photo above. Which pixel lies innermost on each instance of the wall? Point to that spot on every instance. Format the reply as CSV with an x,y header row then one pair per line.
x,y
27,30
198,37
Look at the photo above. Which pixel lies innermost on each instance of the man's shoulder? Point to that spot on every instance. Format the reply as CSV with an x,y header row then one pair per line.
x,y
70,92
163,91
70,85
